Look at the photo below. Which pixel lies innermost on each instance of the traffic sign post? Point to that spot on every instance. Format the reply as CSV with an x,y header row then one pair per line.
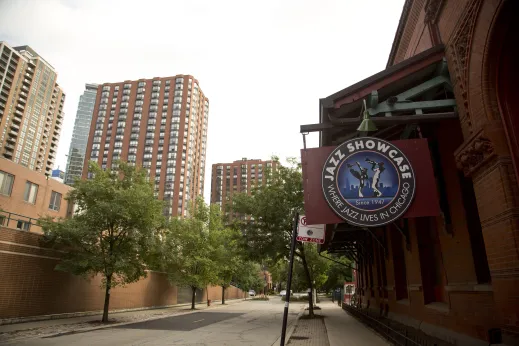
x,y
289,280
304,233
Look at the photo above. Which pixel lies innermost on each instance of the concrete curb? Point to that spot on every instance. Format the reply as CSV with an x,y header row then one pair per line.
x,y
86,330
290,331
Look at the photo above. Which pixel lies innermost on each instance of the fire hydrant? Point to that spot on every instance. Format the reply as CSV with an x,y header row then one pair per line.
x,y
208,302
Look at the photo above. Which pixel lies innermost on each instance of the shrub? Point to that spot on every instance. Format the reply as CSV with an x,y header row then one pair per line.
x,y
261,298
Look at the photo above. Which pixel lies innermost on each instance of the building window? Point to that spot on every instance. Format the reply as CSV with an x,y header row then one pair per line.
x,y
6,183
31,191
24,225
55,201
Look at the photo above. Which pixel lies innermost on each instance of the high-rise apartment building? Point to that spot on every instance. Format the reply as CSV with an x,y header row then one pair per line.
x,y
31,108
78,143
159,124
239,176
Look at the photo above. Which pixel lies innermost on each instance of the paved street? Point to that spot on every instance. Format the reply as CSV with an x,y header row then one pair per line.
x,y
247,323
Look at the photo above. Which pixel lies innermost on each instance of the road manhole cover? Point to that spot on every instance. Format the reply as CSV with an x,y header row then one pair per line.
x,y
300,337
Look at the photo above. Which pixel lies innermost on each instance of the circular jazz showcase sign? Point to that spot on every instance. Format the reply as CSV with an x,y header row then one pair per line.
x,y
368,182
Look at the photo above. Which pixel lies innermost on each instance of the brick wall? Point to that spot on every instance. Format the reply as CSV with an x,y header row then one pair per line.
x,y
409,29
469,309
473,32
30,286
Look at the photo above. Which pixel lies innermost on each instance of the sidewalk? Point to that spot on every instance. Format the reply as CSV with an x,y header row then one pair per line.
x,y
84,323
334,328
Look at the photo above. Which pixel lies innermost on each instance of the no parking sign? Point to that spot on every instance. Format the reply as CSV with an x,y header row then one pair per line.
x,y
309,233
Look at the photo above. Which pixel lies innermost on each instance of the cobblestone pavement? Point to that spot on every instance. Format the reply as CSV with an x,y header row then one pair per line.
x,y
309,332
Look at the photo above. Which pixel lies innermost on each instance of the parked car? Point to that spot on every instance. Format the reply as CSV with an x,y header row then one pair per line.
x,y
252,293
284,293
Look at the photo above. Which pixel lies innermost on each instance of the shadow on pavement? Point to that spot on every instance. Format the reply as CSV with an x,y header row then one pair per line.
x,y
183,322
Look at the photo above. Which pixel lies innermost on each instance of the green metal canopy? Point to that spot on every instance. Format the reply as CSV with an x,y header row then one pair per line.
x,y
415,91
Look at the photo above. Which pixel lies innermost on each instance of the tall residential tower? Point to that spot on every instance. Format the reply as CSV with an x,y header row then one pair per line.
x,y
159,124
78,143
239,176
31,108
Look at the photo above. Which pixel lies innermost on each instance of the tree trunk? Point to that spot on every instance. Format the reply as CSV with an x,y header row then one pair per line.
x,y
193,289
223,294
309,279
107,298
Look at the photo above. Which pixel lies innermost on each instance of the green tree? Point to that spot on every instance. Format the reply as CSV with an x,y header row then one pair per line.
x,y
248,276
188,252
228,254
338,273
279,272
116,223
272,207
317,266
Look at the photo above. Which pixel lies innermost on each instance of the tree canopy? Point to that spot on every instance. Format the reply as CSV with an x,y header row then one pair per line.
x,y
116,222
190,251
272,207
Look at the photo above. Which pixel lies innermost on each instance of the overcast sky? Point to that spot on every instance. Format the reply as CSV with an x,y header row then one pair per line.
x,y
263,64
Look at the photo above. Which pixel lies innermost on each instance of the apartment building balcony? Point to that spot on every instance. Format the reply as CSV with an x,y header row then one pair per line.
x,y
26,81
22,99
14,126
20,107
8,155
9,72
13,132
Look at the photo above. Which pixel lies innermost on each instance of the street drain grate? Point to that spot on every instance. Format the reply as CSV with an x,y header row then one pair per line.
x,y
300,337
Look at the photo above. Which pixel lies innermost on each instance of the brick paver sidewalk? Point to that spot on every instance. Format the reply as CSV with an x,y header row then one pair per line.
x,y
309,332
333,327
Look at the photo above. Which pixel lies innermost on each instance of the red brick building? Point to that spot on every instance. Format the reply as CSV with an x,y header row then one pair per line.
x,y
27,195
159,124
235,177
451,279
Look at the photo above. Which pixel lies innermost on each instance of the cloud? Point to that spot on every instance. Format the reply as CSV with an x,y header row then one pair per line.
x,y
263,65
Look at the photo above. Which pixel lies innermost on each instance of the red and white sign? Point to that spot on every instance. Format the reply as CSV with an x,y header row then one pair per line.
x,y
309,233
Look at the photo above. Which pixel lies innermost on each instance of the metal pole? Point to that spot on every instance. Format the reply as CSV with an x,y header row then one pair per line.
x,y
289,281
